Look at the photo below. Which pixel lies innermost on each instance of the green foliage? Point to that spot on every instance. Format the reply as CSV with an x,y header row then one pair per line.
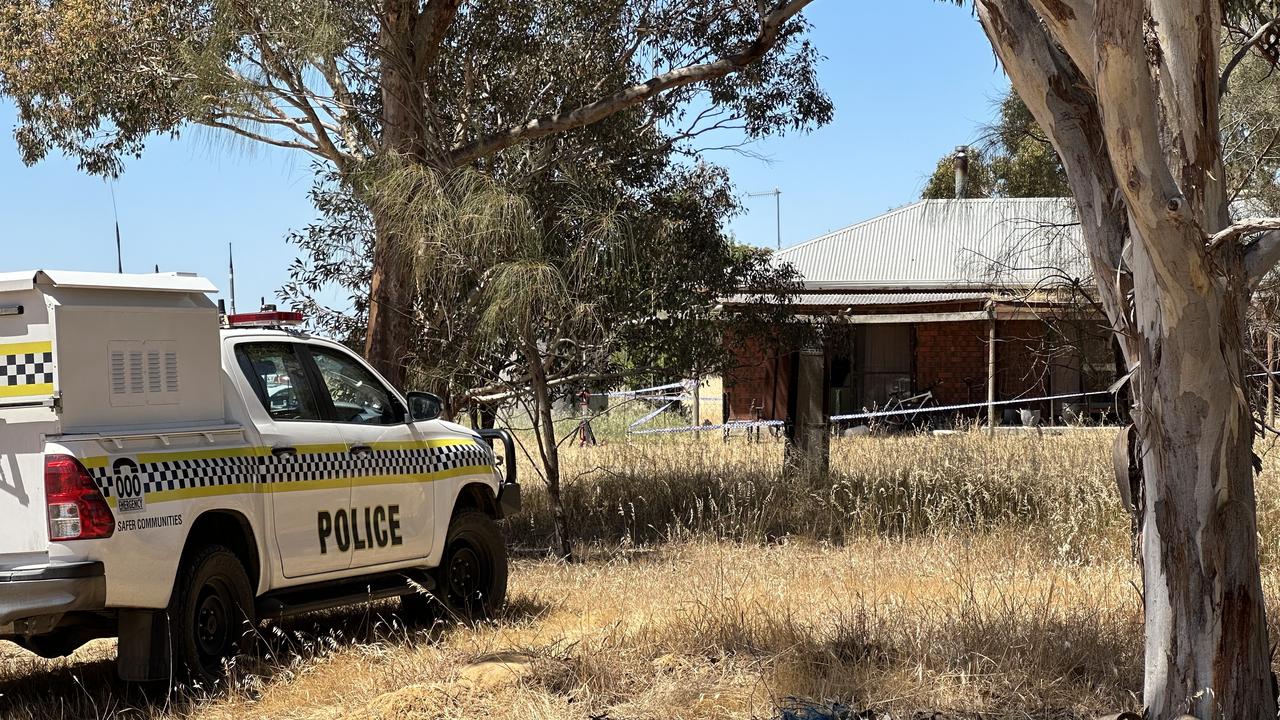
x,y
64,64
465,80
336,250
1013,159
1250,113
95,78
942,183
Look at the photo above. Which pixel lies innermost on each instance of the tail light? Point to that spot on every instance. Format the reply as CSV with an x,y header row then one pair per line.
x,y
77,510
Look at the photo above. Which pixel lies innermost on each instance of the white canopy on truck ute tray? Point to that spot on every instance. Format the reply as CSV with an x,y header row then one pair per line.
x,y
161,282
110,351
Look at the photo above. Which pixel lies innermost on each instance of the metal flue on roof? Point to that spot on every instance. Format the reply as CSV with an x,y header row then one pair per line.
x,y
940,244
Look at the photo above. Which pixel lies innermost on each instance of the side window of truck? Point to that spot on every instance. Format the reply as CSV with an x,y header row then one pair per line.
x,y
276,373
358,396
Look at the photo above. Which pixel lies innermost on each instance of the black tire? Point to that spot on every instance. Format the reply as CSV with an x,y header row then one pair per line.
x,y
471,580
210,614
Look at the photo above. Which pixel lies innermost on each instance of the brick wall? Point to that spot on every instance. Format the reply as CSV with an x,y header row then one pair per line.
x,y
952,356
1021,359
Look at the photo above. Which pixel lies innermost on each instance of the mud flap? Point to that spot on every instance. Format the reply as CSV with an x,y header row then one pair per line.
x,y
144,654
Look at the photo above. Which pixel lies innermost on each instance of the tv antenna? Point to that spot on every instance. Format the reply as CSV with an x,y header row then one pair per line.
x,y
231,276
777,209
116,216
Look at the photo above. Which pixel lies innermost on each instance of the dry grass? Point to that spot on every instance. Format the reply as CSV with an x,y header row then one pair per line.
x,y
961,574
669,488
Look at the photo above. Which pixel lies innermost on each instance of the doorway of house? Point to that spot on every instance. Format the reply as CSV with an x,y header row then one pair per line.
x,y
870,365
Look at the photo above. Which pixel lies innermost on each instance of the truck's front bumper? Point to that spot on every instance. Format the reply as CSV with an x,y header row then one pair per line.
x,y
33,599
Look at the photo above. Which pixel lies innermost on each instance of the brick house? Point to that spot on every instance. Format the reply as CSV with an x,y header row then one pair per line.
x,y
954,297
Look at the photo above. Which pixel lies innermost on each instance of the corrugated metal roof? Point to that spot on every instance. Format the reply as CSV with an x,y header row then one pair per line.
x,y
932,244
866,299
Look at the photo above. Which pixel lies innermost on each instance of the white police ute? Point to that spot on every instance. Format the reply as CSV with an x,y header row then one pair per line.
x,y
173,479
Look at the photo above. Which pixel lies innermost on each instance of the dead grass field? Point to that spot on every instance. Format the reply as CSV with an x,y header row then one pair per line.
x,y
964,575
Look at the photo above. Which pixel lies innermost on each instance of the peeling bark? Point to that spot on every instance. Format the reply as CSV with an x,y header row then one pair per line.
x,y
1127,91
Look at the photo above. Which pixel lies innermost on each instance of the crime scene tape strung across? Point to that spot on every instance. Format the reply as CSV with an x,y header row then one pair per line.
x,y
732,425
643,391
735,424
964,406
651,415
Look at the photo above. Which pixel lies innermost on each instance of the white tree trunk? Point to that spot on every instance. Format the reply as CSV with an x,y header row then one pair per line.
x,y
1206,637
1127,91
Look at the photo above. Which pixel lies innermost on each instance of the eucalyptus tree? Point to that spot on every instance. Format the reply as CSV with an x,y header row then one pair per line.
x,y
434,84
1128,92
1013,158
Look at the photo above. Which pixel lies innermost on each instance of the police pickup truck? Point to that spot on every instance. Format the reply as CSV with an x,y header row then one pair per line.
x,y
173,479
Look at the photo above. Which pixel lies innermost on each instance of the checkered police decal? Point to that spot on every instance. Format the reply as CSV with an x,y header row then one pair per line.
x,y
289,472
26,368
180,474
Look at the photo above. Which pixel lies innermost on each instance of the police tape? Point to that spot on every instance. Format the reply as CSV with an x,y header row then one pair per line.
x,y
963,406
644,391
736,424
650,416
731,425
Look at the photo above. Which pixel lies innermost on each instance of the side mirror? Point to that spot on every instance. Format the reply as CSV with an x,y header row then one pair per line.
x,y
424,406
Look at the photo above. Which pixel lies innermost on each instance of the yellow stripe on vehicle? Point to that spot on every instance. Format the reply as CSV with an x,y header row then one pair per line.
x,y
427,477
24,348
305,485
174,475
419,444
36,390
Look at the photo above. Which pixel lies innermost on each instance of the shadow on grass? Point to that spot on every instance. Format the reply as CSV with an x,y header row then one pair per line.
x,y
1073,668
36,689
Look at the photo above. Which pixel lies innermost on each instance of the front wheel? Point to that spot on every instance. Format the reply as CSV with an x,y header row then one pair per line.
x,y
472,577
210,612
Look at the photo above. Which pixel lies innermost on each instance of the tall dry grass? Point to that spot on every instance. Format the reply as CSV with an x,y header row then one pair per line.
x,y
1056,488
968,575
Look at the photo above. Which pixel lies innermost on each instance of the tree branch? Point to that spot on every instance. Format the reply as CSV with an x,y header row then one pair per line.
x,y
770,27
1240,54
1059,96
1071,22
355,133
1247,226
429,32
258,137
1132,135
273,64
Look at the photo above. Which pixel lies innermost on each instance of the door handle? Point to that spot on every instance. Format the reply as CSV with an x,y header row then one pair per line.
x,y
360,450
283,452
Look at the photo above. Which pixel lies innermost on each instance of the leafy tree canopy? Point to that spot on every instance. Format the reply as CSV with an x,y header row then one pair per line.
x,y
96,78
386,95
1013,159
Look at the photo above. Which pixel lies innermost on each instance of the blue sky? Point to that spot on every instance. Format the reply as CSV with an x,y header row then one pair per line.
x,y
910,79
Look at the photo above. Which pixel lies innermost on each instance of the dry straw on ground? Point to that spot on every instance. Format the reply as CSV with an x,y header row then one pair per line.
x,y
962,574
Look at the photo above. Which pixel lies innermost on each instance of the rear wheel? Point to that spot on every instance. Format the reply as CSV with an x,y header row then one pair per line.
x,y
210,613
